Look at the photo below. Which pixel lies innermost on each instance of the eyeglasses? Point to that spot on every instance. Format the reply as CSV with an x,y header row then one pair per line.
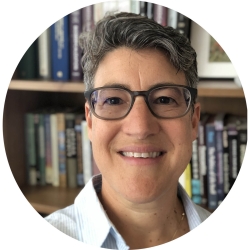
x,y
167,101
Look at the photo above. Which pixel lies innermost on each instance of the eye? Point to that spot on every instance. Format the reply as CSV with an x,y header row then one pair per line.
x,y
113,101
164,100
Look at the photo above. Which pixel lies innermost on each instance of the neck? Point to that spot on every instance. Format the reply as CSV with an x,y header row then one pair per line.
x,y
148,224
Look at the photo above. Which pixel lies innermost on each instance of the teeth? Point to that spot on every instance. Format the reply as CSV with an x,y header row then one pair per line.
x,y
141,155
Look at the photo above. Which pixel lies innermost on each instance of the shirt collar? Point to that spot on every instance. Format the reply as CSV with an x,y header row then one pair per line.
x,y
87,203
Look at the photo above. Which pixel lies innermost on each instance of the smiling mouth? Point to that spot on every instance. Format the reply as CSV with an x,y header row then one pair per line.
x,y
142,155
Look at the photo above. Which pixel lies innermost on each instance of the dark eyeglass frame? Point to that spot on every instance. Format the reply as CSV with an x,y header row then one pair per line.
x,y
145,94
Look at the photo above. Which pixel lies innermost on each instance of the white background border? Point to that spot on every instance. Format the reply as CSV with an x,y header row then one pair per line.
x,y
22,22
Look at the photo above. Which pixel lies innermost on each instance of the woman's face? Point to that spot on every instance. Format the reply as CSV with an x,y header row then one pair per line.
x,y
119,146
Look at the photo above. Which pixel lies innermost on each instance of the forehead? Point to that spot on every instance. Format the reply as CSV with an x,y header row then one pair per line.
x,y
137,69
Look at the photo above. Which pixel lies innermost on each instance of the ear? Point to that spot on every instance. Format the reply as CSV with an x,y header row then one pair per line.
x,y
88,117
195,120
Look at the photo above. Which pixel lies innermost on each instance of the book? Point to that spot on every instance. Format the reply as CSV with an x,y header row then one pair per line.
x,y
183,25
88,21
61,149
86,153
48,150
71,152
44,55
30,150
211,163
172,18
195,174
75,29
202,158
135,6
219,125
242,140
232,134
27,68
143,8
185,180
226,182
54,149
98,12
160,14
188,185
78,129
150,10
39,147
60,50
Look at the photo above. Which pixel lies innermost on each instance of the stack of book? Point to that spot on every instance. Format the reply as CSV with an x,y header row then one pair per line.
x,y
58,151
217,157
55,55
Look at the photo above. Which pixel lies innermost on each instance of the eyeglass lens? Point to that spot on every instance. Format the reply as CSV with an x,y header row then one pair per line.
x,y
165,102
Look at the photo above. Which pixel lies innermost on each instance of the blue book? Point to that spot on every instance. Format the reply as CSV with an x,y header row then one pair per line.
x,y
211,163
60,50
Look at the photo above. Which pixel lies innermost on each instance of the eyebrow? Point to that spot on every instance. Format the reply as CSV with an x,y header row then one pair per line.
x,y
126,86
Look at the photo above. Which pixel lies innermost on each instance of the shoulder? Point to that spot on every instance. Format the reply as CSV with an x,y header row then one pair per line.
x,y
203,213
64,220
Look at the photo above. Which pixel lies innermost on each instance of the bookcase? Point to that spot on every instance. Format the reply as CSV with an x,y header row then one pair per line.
x,y
26,95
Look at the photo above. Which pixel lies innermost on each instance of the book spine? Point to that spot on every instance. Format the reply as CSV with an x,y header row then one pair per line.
x,y
75,28
30,149
71,161
36,129
60,50
233,154
48,151
86,153
172,18
54,150
143,8
211,164
226,183
150,10
242,143
41,151
61,150
135,6
195,174
183,25
188,185
220,166
160,14
202,158
44,56
27,68
88,22
78,130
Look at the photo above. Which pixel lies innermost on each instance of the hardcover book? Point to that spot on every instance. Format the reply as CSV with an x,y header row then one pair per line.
x,y
75,29
60,49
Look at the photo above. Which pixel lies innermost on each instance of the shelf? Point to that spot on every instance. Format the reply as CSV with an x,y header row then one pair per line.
x,y
220,89
51,86
48,199
205,88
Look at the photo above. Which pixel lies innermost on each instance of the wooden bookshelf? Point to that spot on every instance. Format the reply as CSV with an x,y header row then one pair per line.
x,y
24,96
205,88
48,199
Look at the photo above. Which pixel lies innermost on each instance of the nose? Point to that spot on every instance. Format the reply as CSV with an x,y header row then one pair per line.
x,y
140,122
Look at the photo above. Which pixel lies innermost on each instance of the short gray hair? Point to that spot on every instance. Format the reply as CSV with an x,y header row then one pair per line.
x,y
136,32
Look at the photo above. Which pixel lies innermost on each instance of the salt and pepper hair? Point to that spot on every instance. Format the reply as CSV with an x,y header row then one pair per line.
x,y
136,32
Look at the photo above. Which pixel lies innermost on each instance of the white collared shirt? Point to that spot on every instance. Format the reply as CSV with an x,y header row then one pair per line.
x,y
87,221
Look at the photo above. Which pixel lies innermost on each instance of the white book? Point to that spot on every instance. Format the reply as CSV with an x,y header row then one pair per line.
x,y
86,153
135,6
172,18
44,55
98,12
54,150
